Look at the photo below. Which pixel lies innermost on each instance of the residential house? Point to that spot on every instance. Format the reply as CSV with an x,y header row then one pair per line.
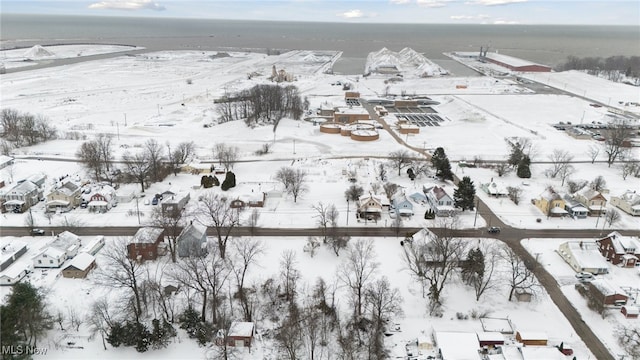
x,y
592,200
628,202
79,266
49,257
575,209
14,274
495,189
490,338
175,202
64,198
22,196
248,200
38,179
403,206
369,207
419,198
100,198
529,338
144,244
240,334
5,161
11,252
439,200
550,203
583,256
606,293
192,240
620,250
67,242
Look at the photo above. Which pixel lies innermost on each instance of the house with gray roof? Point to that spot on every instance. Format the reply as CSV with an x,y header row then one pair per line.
x,y
192,240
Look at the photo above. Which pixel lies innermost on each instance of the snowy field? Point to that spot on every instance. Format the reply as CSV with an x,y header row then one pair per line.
x,y
17,58
168,96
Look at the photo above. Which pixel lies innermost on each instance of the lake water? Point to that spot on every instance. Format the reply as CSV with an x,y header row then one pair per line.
x,y
546,44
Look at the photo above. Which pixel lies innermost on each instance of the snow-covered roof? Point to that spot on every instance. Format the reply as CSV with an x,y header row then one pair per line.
x,y
82,261
4,159
533,335
586,255
64,240
52,252
624,244
24,187
458,345
57,203
14,202
490,336
11,249
241,329
495,188
588,193
15,270
632,310
146,235
558,210
352,110
193,231
506,59
607,288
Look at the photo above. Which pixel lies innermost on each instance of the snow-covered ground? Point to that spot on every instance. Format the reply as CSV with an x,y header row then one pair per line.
x,y
168,96
17,58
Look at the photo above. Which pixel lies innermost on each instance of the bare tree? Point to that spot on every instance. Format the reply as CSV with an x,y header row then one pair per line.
x,y
104,143
353,193
246,253
432,259
120,271
90,156
502,169
375,187
390,189
593,151
565,172
253,221
357,271
515,193
481,281
290,274
630,167
294,181
70,223
615,144
227,155
629,338
172,221
560,160
575,185
154,153
75,318
400,159
612,216
384,303
289,335
215,211
181,154
382,172
322,215
599,183
207,276
137,165
99,319
520,276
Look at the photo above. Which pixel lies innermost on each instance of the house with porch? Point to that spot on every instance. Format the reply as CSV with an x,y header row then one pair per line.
x,y
620,250
574,208
592,200
369,207
403,206
64,198
550,203
49,257
144,244
100,198
22,196
628,202
439,200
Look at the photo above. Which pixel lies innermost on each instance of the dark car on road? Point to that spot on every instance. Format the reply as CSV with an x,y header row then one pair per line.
x,y
493,230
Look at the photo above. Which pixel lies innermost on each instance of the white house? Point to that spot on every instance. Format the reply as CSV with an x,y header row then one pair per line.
x,y
14,273
67,242
192,240
628,202
583,256
441,202
403,206
49,258
22,196
494,188
457,345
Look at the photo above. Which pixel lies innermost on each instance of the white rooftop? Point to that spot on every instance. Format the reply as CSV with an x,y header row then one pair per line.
x,y
10,249
146,235
82,261
587,255
239,328
506,59
458,345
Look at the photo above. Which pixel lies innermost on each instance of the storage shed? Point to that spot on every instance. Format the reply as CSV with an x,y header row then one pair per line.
x,y
240,334
532,338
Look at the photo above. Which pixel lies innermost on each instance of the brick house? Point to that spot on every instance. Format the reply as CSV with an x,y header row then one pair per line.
x,y
144,244
240,334
607,293
620,250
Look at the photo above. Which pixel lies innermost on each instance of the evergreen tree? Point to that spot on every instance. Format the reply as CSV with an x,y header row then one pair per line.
x,y
24,317
473,267
444,172
196,329
161,333
429,214
116,335
523,168
216,182
229,181
438,156
464,195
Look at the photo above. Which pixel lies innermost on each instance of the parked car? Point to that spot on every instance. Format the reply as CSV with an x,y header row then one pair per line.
x,y
37,232
84,205
584,276
154,201
392,213
493,230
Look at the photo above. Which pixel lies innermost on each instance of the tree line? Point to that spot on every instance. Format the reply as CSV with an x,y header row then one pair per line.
x,y
263,103
612,68
24,129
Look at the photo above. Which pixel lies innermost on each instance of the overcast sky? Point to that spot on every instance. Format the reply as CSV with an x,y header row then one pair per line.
x,y
608,12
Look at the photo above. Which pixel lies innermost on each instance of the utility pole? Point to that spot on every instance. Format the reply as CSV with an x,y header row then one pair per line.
x,y
294,146
347,212
476,216
137,210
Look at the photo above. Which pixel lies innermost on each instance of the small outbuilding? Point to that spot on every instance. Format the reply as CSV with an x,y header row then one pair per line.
x,y
630,312
490,338
240,334
14,274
